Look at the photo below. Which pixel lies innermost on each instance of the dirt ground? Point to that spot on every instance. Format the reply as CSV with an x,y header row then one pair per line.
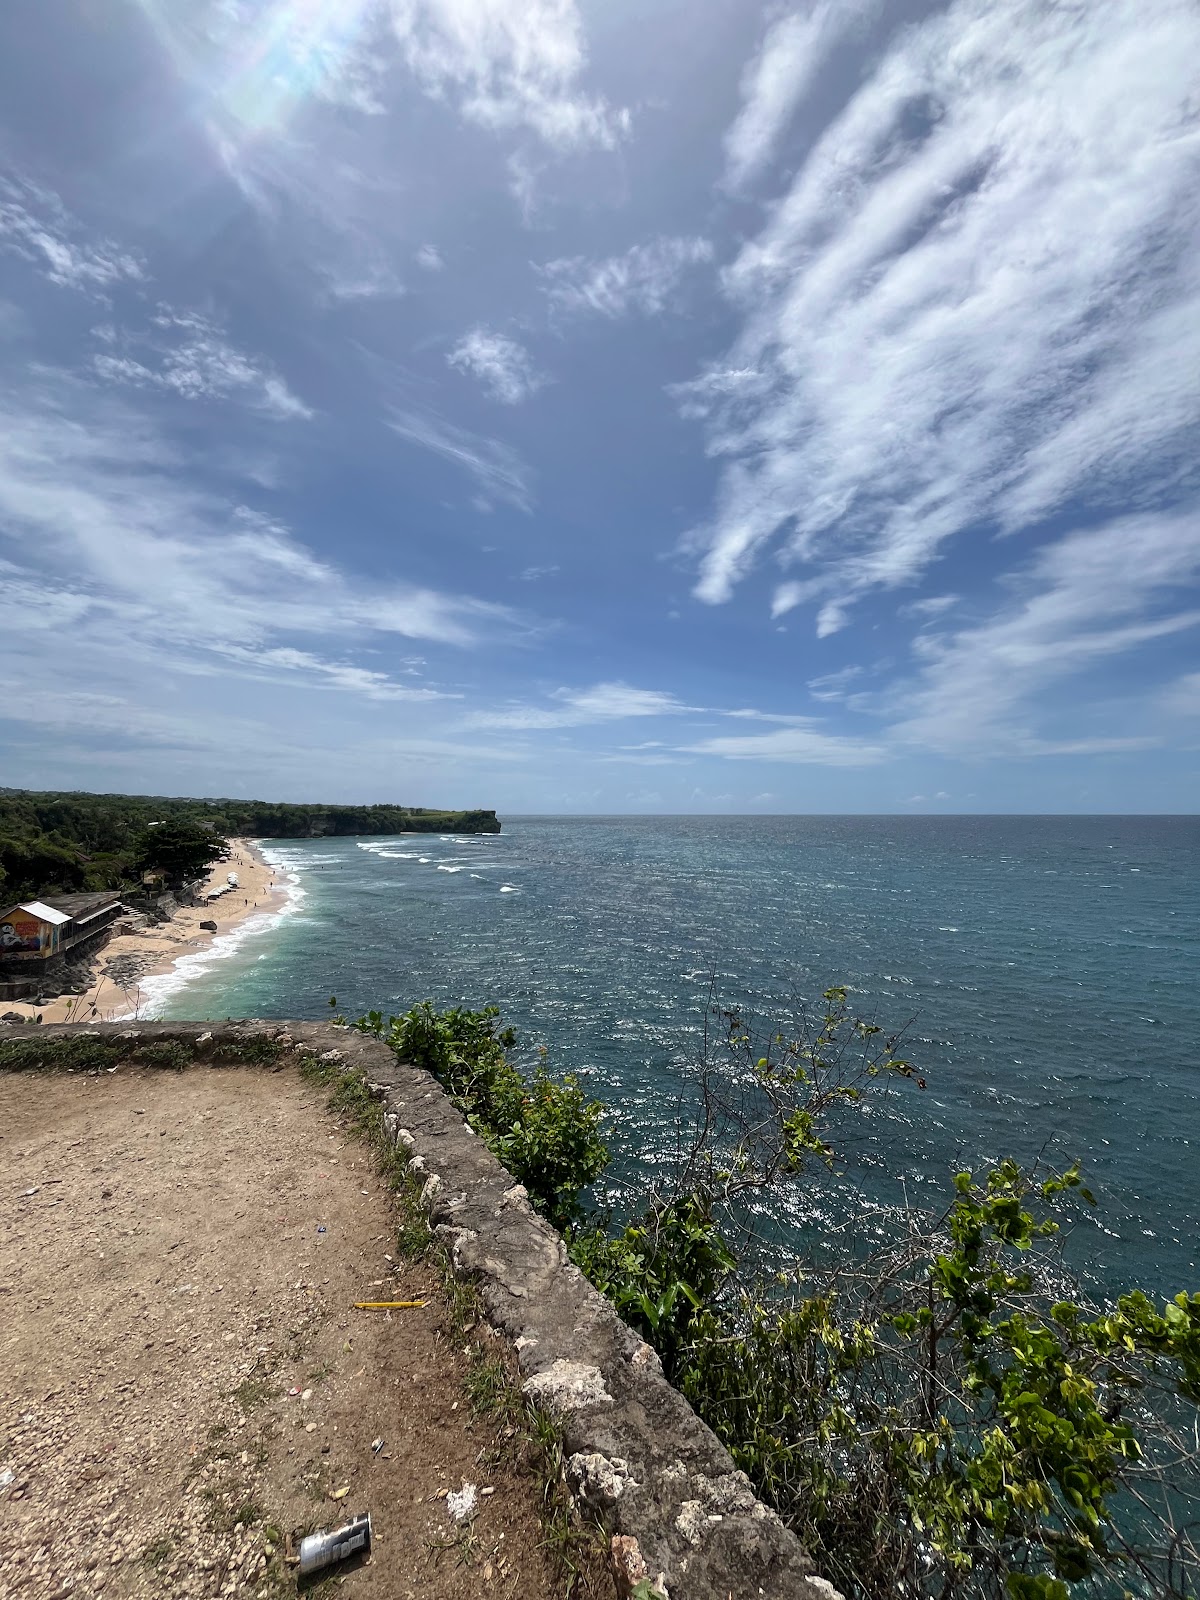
x,y
183,1380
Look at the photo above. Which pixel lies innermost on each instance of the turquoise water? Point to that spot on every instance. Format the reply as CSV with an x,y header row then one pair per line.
x,y
1047,970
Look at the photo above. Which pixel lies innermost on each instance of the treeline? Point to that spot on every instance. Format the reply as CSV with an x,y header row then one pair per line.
x,y
52,842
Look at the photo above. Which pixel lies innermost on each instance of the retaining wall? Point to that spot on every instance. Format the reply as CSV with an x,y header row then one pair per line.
x,y
636,1453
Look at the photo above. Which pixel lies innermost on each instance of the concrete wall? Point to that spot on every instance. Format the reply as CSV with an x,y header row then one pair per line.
x,y
679,1512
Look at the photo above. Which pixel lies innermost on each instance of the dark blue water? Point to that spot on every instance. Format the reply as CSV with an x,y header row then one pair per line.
x,y
1047,969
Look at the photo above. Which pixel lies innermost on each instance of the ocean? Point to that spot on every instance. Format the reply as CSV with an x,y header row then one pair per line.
x,y
1046,971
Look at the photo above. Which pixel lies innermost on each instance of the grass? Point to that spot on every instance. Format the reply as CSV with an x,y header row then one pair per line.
x,y
88,1051
158,1552
254,1392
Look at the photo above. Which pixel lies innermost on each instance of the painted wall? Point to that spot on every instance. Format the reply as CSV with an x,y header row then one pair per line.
x,y
22,934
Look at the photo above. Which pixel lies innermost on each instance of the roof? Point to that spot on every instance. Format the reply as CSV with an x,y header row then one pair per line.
x,y
81,905
44,913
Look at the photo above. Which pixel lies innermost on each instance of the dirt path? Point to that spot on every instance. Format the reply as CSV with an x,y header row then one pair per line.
x,y
182,1377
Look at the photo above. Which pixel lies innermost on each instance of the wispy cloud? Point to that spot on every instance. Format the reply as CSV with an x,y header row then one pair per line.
x,y
980,295
498,470
774,85
1091,597
503,366
644,279
508,64
428,258
35,225
115,546
572,708
803,742
191,355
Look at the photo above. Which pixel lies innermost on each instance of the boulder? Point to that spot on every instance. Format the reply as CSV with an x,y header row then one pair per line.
x,y
209,925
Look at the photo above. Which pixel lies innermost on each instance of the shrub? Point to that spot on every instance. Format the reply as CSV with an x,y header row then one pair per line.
x,y
934,1417
543,1129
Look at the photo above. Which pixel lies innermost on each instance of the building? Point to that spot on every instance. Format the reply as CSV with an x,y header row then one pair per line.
x,y
36,933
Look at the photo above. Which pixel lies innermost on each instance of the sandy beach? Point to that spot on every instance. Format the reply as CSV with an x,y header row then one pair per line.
x,y
128,958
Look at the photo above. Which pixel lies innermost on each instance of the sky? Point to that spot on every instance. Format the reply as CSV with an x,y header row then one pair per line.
x,y
587,406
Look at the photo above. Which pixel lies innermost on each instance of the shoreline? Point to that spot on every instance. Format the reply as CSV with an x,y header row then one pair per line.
x,y
129,970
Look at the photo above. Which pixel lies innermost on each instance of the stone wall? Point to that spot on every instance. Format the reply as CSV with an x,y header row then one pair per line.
x,y
679,1512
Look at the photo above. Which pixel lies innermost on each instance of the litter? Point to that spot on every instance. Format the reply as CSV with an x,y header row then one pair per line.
x,y
340,1494
6,1477
25,1193
376,1446
321,1229
327,1549
388,1305
460,1503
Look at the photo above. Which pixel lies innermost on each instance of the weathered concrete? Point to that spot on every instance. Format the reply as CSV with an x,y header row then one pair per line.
x,y
636,1453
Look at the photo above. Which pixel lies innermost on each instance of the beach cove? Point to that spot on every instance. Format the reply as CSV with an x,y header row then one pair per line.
x,y
135,970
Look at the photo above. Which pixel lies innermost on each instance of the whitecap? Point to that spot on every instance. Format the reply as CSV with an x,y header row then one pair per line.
x,y
509,888
155,990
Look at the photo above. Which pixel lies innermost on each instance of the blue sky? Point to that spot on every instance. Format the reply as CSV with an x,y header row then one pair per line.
x,y
567,406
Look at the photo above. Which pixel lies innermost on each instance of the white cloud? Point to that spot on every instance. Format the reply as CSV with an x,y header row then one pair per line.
x,y
603,702
794,51
35,225
501,364
1182,698
931,606
191,355
508,64
979,298
499,471
1090,597
644,279
116,549
803,742
834,685
427,256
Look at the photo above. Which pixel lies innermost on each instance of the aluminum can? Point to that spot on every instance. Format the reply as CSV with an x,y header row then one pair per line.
x,y
327,1549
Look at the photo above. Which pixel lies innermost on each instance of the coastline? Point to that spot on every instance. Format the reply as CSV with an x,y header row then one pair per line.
x,y
135,970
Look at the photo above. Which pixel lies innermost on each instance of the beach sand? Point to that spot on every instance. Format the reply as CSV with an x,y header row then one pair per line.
x,y
128,958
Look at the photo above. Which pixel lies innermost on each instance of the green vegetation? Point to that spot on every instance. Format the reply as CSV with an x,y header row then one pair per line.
x,y
68,842
99,1052
544,1131
178,851
940,1416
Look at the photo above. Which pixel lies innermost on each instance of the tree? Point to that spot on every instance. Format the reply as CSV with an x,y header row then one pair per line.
x,y
943,1415
180,850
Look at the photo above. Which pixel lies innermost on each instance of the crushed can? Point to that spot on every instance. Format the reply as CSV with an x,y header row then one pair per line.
x,y
327,1549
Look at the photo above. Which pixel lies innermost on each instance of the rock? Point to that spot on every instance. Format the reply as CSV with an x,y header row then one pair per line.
x,y
209,925
596,1480
12,1016
567,1386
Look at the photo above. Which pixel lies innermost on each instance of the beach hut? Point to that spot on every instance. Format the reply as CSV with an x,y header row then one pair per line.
x,y
31,931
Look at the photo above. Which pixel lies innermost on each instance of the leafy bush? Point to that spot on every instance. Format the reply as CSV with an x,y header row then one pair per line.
x,y
934,1417
543,1129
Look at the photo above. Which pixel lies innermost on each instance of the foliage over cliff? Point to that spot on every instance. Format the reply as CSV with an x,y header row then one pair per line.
x,y
940,1415
72,841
